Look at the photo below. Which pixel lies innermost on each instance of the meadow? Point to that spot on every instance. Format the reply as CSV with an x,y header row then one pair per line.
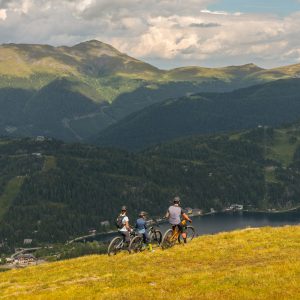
x,y
248,264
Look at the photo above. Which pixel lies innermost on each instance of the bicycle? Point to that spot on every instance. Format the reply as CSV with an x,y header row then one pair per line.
x,y
137,243
155,235
171,236
117,244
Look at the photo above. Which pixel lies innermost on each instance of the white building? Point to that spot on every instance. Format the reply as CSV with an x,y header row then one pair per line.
x,y
105,223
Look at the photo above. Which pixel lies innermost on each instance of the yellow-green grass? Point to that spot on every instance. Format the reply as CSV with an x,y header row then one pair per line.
x,y
270,175
276,73
198,73
15,63
282,150
248,264
49,163
4,142
10,192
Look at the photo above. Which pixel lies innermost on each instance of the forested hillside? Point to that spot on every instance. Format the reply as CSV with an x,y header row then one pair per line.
x,y
51,191
73,93
270,104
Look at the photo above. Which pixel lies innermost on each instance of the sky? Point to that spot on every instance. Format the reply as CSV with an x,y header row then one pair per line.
x,y
166,33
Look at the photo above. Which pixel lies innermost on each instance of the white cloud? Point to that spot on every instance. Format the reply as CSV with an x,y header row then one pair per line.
x,y
3,14
179,31
206,11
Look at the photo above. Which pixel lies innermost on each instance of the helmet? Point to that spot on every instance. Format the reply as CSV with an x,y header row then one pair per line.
x,y
124,208
142,214
176,200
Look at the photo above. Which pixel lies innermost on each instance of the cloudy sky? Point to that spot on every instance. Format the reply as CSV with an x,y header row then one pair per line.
x,y
167,33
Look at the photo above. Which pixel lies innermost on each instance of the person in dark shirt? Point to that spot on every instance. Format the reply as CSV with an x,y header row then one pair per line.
x,y
141,226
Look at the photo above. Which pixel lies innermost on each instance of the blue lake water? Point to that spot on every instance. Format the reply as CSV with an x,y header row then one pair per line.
x,y
228,221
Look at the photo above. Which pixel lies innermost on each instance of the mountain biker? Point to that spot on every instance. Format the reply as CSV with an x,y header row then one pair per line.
x,y
175,214
124,228
141,227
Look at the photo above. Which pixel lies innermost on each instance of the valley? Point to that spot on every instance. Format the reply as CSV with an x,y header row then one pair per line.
x,y
74,93
257,168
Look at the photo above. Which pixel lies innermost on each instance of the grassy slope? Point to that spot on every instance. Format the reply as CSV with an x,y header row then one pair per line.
x,y
249,264
99,65
281,150
272,104
10,192
100,72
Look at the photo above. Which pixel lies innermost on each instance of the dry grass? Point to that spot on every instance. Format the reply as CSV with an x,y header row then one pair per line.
x,y
249,264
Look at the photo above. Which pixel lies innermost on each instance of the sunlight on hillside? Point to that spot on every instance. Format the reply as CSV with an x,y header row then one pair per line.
x,y
248,264
282,150
10,192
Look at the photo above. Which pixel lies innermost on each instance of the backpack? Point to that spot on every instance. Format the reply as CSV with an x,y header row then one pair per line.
x,y
119,222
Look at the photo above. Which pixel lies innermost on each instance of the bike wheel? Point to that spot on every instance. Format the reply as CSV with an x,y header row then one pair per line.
x,y
168,239
190,234
156,237
115,246
136,244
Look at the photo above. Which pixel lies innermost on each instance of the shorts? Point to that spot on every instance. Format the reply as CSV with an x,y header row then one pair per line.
x,y
125,235
181,228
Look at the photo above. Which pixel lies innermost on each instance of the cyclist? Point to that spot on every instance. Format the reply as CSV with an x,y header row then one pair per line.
x,y
123,225
141,226
175,214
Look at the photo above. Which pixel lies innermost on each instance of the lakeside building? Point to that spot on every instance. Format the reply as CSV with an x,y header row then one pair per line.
x,y
40,138
188,210
197,212
237,206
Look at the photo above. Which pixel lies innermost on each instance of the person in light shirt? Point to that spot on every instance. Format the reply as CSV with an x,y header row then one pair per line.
x,y
125,228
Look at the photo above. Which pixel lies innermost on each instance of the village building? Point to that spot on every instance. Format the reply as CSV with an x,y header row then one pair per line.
x,y
92,231
27,241
40,138
105,223
24,259
37,154
236,207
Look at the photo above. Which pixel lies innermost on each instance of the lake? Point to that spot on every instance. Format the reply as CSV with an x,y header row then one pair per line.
x,y
228,221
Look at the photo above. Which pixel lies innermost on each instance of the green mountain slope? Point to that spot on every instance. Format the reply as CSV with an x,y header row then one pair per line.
x,y
51,108
100,73
249,264
270,104
70,188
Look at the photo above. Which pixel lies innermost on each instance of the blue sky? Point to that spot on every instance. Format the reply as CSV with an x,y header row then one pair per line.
x,y
167,33
278,7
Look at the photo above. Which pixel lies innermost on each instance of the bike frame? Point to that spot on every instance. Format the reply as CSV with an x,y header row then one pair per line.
x,y
176,233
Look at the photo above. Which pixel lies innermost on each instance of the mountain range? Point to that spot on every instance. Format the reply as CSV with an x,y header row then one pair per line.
x,y
269,104
52,191
74,93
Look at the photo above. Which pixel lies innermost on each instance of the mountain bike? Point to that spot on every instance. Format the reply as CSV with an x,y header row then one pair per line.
x,y
117,244
137,243
173,235
155,235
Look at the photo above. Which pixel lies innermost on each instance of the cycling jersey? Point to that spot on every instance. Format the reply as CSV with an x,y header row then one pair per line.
x,y
175,213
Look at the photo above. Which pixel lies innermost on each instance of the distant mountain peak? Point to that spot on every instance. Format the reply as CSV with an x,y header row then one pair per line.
x,y
249,66
95,45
